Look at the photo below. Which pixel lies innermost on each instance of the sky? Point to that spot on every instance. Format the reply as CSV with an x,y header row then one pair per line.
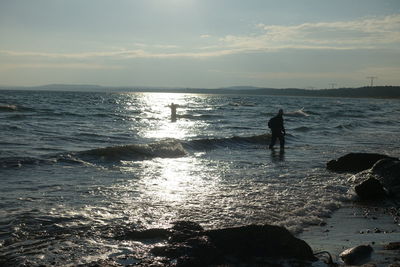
x,y
200,43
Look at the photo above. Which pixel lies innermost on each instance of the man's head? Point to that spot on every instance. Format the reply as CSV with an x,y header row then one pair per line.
x,y
280,112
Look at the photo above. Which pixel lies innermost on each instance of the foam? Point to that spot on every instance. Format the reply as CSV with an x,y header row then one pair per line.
x,y
297,113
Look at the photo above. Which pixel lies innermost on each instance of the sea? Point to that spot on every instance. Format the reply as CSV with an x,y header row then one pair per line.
x,y
78,169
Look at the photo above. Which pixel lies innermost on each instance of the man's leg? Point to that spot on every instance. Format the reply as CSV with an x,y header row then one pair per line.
x,y
282,141
273,140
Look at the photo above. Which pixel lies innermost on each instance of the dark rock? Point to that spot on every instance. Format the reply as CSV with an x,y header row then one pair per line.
x,y
392,246
187,226
356,255
196,251
190,245
183,230
100,263
156,233
370,189
355,162
149,262
202,247
171,251
388,172
260,241
186,261
380,180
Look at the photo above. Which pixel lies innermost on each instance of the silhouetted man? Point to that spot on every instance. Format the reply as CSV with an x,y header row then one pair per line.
x,y
173,111
277,130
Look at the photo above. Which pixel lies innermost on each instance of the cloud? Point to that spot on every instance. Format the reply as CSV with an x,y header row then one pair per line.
x,y
365,33
286,75
121,54
384,75
4,67
60,55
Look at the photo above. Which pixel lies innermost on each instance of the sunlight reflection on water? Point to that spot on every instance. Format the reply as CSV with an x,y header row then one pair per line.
x,y
163,187
167,188
160,124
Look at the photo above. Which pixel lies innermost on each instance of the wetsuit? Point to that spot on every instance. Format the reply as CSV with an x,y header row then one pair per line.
x,y
277,131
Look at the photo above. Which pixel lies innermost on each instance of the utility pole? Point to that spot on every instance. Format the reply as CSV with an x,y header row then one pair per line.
x,y
372,78
332,85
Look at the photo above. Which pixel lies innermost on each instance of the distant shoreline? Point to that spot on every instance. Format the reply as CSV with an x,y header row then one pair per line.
x,y
385,92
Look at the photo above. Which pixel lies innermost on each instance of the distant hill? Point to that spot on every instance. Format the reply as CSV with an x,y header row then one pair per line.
x,y
58,87
70,87
372,92
375,92
243,87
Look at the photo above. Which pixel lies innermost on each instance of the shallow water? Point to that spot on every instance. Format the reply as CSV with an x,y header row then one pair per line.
x,y
78,168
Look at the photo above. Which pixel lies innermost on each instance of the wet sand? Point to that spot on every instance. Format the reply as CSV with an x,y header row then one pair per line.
x,y
357,224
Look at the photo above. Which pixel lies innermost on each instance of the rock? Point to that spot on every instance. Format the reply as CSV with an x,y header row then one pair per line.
x,y
156,233
171,250
356,255
388,173
202,247
193,251
260,241
190,245
370,189
380,180
186,261
100,263
392,246
187,226
183,230
355,162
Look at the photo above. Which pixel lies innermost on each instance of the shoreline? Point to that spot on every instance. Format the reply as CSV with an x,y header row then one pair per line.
x,y
357,224
354,224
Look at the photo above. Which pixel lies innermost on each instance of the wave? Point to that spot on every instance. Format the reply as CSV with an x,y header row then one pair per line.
x,y
170,148
346,114
199,116
163,149
8,108
242,104
209,143
309,112
297,113
348,126
302,129
17,162
12,107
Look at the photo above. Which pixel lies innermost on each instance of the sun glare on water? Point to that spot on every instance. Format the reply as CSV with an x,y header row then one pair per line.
x,y
161,123
167,184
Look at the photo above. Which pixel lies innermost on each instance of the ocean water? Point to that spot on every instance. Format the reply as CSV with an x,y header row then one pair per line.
x,y
79,168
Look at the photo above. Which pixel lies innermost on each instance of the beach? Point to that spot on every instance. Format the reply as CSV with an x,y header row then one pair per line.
x,y
354,225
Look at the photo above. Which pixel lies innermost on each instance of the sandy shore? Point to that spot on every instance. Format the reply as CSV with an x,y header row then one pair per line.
x,y
357,224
